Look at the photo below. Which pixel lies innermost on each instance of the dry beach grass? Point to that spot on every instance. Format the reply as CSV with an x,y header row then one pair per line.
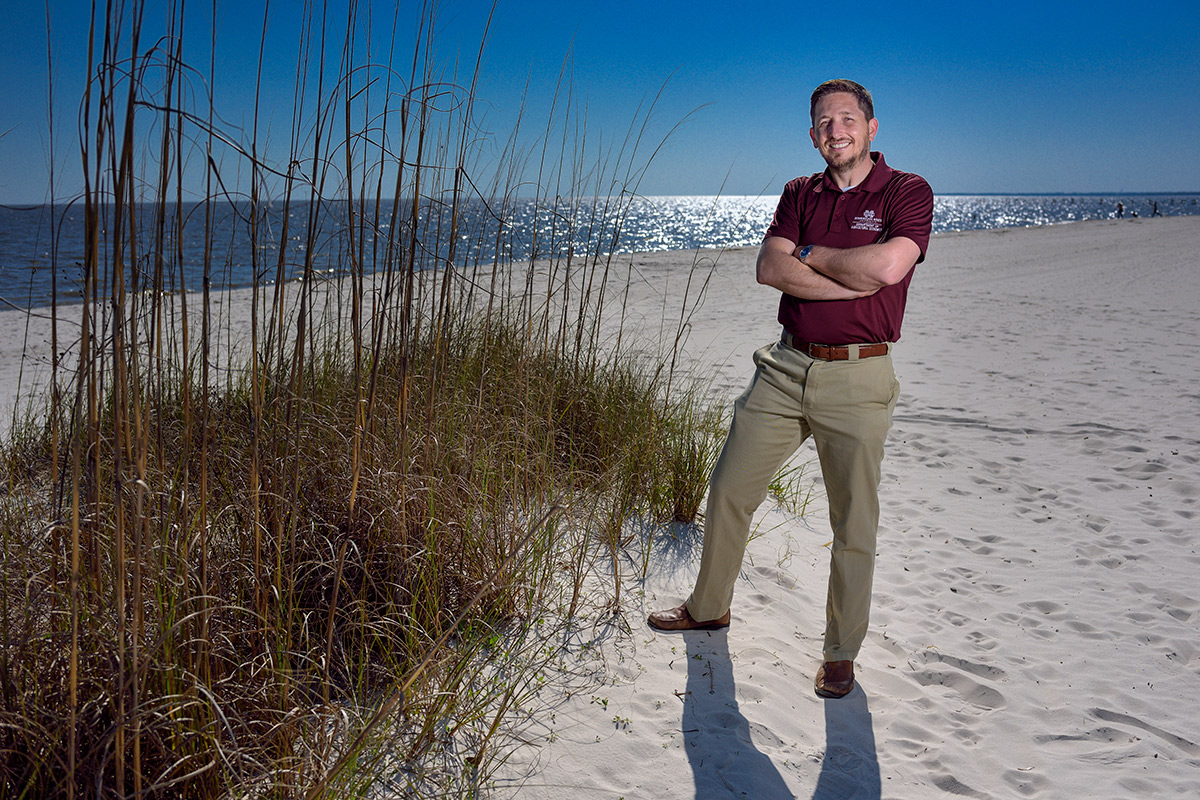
x,y
273,546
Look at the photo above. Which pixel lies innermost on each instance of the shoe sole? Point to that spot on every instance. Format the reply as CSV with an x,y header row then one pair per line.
x,y
832,695
705,626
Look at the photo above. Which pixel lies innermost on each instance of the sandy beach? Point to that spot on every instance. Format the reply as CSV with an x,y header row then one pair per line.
x,y
1034,622
1034,628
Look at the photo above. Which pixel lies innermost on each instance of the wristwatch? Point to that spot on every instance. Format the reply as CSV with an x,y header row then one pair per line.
x,y
804,251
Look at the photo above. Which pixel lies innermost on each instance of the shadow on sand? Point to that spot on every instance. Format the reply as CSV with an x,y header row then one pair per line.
x,y
850,769
720,741
724,760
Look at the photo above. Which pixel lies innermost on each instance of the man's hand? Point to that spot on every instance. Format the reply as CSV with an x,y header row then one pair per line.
x,y
778,266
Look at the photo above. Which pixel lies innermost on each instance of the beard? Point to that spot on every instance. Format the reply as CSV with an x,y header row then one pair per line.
x,y
847,159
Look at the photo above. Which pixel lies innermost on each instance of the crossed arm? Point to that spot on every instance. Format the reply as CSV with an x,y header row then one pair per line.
x,y
831,273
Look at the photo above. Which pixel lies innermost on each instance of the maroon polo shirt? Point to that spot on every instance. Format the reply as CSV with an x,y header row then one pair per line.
x,y
813,210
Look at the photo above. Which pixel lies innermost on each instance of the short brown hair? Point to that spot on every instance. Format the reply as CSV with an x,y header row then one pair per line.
x,y
842,85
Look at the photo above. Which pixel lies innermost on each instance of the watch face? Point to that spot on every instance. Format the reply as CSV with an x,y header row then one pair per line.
x,y
804,251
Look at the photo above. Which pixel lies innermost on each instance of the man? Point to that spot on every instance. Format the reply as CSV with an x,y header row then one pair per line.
x,y
841,248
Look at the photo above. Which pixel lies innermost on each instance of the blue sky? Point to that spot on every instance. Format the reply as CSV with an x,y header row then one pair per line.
x,y
1024,98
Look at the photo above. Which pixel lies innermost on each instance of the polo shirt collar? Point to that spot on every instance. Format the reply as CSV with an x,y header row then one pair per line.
x,y
875,181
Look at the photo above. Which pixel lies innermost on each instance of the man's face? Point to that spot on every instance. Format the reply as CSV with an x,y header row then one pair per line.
x,y
841,131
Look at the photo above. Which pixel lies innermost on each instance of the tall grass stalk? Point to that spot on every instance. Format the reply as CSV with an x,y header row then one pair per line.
x,y
259,560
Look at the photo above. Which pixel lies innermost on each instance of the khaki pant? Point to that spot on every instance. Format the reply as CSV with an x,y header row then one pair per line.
x,y
846,406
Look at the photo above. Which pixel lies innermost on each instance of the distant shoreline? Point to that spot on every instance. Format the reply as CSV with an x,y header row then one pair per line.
x,y
37,249
25,333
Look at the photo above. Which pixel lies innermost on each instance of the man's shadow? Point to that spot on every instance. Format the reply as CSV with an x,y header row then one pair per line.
x,y
850,768
726,763
724,760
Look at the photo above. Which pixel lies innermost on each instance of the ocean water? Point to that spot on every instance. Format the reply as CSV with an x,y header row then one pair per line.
x,y
42,250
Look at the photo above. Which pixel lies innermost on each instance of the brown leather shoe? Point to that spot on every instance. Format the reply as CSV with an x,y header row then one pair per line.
x,y
835,679
678,619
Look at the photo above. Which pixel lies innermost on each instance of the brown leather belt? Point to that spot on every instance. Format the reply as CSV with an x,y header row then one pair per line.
x,y
837,352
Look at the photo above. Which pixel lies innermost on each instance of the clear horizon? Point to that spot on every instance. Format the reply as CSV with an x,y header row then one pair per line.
x,y
1033,100
770,198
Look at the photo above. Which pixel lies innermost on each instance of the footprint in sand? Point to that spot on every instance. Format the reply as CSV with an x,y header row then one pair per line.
x,y
1176,604
1105,735
960,679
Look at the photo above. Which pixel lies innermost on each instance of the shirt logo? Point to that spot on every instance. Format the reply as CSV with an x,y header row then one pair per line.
x,y
867,221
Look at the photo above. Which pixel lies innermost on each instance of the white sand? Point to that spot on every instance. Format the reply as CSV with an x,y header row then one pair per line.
x,y
1034,630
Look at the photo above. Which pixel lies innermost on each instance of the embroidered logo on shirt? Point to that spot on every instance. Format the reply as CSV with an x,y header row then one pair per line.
x,y
867,221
